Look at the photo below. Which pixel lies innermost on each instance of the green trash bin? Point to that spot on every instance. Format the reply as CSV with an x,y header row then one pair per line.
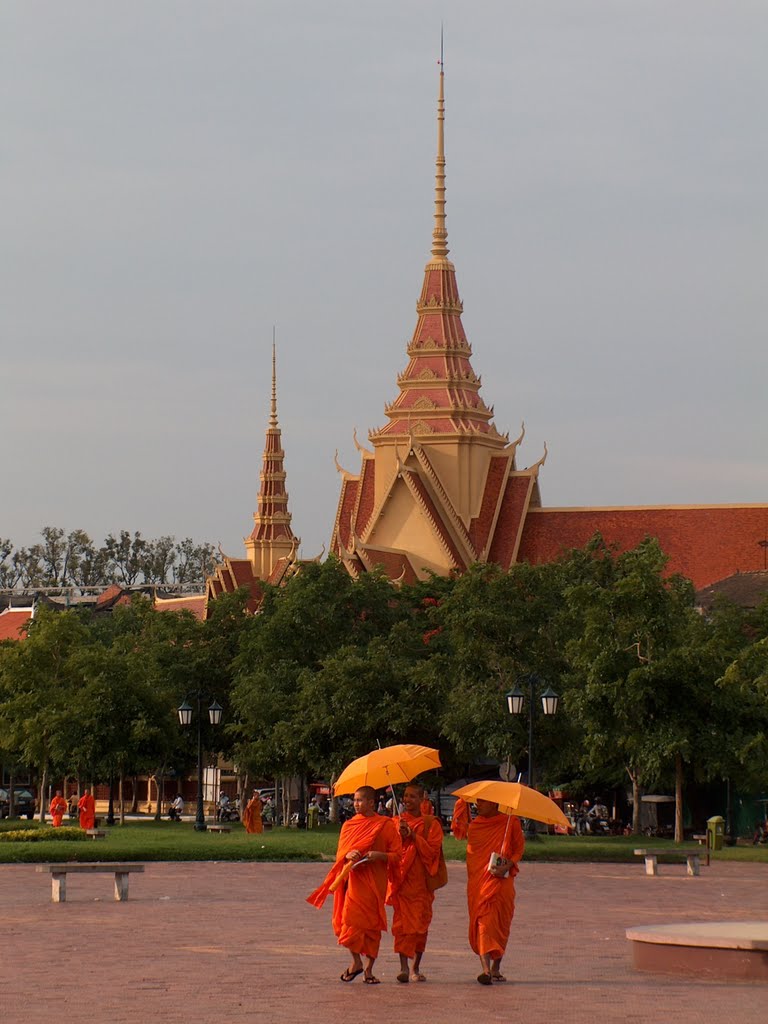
x,y
715,832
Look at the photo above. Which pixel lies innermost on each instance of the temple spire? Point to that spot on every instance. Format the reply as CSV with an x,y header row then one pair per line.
x,y
440,234
273,404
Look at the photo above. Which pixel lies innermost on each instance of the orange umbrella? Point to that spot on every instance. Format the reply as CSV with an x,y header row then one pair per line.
x,y
386,767
515,798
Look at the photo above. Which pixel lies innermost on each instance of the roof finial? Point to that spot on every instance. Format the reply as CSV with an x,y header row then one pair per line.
x,y
273,406
440,235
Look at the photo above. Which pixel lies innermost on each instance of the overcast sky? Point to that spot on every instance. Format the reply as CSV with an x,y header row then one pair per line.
x,y
177,176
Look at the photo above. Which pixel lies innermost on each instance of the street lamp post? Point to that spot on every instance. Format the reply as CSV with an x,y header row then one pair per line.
x,y
515,703
185,718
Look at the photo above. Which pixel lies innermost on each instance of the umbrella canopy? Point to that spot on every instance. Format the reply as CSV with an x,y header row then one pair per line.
x,y
386,767
515,798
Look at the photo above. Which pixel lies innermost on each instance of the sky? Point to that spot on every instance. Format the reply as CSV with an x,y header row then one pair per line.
x,y
178,176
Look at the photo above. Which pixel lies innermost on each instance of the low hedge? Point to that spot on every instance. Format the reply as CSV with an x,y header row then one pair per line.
x,y
47,832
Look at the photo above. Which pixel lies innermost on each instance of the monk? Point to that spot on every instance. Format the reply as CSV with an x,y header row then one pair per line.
x,y
491,890
252,815
422,838
367,856
86,805
460,819
57,808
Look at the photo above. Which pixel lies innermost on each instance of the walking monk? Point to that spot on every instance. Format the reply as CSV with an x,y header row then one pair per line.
x,y
410,895
491,890
368,854
57,808
87,807
460,819
252,815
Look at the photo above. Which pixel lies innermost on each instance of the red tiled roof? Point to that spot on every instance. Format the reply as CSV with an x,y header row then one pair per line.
x,y
705,542
511,518
12,623
195,603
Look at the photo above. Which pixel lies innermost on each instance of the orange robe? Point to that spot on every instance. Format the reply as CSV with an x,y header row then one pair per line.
x,y
87,807
409,895
57,809
359,917
252,816
491,900
460,819
426,806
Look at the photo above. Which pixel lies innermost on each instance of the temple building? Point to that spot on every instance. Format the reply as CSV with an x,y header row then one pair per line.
x,y
440,487
271,546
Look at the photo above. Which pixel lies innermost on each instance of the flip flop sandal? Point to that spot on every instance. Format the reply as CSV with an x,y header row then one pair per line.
x,y
418,976
484,979
498,977
403,977
350,975
369,979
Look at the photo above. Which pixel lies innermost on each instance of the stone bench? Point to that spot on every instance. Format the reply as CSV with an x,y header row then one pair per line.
x,y
95,833
59,874
219,828
691,857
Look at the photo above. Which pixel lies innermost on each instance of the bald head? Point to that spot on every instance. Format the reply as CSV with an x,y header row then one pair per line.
x,y
364,801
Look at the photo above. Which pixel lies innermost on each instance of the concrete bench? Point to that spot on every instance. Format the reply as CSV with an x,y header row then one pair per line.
x,y
219,828
715,950
59,874
691,857
95,833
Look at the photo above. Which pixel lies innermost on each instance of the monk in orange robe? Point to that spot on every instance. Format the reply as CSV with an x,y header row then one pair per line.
x,y
460,819
422,838
58,808
252,815
425,806
368,855
86,805
491,891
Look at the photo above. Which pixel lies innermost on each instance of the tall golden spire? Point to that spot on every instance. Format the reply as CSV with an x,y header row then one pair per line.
x,y
440,234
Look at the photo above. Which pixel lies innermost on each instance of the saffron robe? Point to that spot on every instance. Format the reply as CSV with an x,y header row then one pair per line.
x,y
57,809
426,806
86,805
409,896
491,900
252,815
359,917
460,819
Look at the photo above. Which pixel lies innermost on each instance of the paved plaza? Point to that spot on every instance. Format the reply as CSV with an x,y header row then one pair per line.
x,y
232,942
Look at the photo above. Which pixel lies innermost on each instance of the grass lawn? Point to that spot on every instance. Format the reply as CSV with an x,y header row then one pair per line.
x,y
165,840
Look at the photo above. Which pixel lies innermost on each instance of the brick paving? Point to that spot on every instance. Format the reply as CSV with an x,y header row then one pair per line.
x,y
207,943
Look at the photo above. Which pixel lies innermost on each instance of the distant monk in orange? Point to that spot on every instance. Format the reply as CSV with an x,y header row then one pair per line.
x,y
422,837
86,805
368,854
460,819
491,891
252,815
58,808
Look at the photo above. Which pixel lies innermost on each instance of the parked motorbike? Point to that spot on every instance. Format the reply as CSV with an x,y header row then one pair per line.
x,y
229,813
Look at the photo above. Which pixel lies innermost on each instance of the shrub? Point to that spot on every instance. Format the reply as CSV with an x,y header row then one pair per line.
x,y
46,832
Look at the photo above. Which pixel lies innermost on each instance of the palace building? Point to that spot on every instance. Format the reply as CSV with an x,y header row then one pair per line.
x,y
440,488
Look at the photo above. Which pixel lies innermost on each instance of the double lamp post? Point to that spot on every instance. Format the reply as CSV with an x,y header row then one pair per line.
x,y
185,718
515,704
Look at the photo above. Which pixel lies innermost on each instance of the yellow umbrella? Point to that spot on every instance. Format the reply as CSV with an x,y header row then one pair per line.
x,y
514,798
387,766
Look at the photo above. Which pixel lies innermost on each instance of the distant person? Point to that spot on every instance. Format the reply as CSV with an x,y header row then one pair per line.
x,y
176,808
222,805
460,819
252,815
86,805
58,808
